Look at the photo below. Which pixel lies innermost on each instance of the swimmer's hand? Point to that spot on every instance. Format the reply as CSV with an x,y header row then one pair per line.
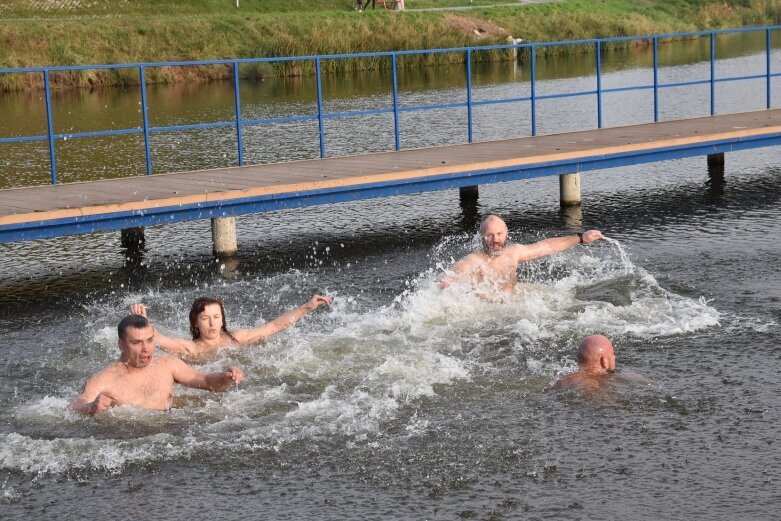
x,y
317,301
102,402
233,374
138,309
592,236
445,282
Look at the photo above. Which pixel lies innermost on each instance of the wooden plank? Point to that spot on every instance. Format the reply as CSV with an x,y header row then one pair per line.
x,y
142,192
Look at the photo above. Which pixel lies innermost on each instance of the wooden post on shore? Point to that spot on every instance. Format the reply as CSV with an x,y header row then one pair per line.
x,y
569,189
224,236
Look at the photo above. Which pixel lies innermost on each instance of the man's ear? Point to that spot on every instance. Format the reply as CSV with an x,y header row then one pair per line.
x,y
603,362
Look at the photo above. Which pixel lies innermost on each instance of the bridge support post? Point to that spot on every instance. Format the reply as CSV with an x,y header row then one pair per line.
x,y
469,207
224,236
132,238
716,174
716,165
569,189
468,194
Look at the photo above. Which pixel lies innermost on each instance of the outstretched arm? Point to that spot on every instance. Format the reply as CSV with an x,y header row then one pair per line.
x,y
256,334
217,382
178,346
555,245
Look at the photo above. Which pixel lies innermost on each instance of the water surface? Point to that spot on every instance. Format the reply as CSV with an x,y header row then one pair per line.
x,y
404,402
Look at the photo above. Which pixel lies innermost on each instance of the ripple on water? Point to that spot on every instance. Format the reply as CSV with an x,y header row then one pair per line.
x,y
355,370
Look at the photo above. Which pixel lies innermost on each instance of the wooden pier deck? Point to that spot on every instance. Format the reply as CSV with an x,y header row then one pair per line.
x,y
53,210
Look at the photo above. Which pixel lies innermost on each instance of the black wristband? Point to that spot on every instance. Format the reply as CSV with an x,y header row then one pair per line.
x,y
580,237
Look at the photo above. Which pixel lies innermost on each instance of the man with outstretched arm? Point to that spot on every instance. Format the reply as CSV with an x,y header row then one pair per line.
x,y
142,380
497,262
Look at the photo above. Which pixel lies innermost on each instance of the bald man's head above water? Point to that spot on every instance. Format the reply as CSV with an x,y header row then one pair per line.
x,y
596,355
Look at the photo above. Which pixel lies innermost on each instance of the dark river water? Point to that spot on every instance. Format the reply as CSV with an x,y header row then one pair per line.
x,y
402,401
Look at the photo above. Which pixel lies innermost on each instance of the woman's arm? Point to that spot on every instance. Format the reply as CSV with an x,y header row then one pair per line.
x,y
178,346
282,322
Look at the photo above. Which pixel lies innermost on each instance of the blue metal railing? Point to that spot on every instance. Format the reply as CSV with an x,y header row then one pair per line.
x,y
239,123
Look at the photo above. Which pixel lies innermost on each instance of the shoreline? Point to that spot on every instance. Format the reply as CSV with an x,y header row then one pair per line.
x,y
132,38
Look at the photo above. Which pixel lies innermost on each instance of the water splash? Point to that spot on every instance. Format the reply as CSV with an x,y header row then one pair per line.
x,y
348,372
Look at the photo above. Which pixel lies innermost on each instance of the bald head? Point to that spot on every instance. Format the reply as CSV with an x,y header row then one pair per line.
x,y
490,221
493,233
595,354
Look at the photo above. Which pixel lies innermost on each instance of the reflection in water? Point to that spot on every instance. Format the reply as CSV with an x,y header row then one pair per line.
x,y
23,114
404,402
572,217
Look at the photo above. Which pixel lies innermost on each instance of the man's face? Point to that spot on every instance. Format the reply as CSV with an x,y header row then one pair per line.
x,y
138,346
494,236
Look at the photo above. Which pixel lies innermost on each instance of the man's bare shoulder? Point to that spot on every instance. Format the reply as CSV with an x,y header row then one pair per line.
x,y
112,370
469,261
518,251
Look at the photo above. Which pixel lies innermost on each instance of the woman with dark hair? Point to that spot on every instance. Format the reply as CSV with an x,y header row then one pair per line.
x,y
209,328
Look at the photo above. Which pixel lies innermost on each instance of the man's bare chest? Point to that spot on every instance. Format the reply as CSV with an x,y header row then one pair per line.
x,y
152,389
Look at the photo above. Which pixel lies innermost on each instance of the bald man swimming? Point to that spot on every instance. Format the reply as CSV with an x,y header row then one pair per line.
x,y
596,361
497,263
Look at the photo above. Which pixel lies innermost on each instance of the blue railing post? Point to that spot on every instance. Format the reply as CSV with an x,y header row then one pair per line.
x,y
656,79
533,94
320,107
599,84
145,121
712,73
396,136
237,102
50,127
469,93
767,68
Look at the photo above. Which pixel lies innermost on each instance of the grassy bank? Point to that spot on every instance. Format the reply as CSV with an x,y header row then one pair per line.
x,y
71,32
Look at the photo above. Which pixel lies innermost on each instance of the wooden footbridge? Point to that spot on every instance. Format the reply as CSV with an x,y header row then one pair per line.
x,y
55,210
130,204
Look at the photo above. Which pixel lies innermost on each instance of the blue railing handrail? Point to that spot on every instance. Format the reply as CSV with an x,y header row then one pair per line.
x,y
238,122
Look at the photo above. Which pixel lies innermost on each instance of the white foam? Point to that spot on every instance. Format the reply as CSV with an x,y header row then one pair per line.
x,y
349,370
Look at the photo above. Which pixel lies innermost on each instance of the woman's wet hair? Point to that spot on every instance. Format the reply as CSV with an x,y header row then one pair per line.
x,y
134,321
199,306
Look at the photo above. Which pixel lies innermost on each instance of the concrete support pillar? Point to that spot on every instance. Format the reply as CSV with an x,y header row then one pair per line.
x,y
132,238
228,266
716,161
469,207
716,167
468,194
716,174
224,236
569,189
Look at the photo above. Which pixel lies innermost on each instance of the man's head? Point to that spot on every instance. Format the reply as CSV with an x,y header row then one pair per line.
x,y
136,340
595,355
493,233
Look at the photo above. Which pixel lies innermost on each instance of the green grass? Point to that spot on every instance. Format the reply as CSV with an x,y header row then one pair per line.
x,y
166,30
23,9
